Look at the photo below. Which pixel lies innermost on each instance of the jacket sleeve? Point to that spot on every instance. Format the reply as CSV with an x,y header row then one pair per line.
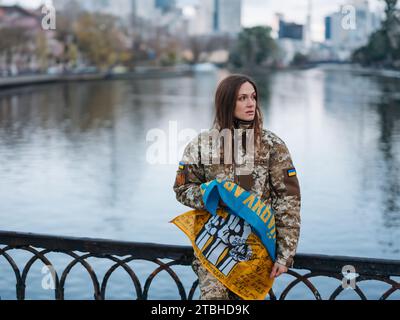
x,y
286,202
189,177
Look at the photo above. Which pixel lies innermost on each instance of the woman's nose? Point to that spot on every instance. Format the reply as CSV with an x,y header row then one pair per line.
x,y
251,102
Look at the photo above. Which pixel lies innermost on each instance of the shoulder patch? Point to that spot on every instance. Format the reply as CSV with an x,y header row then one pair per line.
x,y
182,165
292,173
291,183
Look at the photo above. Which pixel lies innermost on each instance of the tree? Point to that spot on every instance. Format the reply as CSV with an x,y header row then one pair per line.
x,y
99,39
383,48
42,52
197,45
299,59
255,47
13,40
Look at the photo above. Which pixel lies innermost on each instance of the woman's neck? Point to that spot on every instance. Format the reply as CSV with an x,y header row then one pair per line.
x,y
242,124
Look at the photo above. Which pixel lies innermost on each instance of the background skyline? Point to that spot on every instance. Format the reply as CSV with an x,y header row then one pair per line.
x,y
262,12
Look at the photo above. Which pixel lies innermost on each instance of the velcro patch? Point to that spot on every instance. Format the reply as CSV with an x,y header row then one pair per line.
x,y
291,182
180,179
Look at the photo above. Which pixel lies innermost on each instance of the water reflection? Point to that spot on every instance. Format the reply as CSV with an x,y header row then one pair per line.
x,y
389,120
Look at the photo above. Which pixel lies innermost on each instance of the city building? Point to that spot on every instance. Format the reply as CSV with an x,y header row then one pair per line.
x,y
343,35
290,30
22,30
307,32
293,38
144,9
119,8
228,16
165,5
18,17
218,17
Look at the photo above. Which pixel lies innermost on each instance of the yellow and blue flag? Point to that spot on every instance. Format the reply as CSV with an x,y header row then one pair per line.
x,y
292,173
236,244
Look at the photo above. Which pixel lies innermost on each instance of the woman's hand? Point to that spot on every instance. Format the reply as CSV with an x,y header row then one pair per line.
x,y
278,270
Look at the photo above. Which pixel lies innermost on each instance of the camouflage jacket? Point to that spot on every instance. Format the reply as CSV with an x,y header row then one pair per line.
x,y
272,178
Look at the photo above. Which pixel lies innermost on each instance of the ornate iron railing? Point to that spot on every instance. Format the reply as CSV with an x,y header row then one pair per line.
x,y
122,253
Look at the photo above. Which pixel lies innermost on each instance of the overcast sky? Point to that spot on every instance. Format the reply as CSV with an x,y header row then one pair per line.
x,y
262,12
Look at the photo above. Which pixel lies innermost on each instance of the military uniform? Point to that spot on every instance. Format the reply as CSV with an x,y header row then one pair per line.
x,y
272,178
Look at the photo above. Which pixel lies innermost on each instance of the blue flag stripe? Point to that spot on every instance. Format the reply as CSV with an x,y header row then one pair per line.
x,y
244,205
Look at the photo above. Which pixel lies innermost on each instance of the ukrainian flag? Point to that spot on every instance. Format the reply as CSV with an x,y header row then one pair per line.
x,y
237,245
292,173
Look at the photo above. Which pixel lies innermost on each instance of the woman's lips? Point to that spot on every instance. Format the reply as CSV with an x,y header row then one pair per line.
x,y
250,113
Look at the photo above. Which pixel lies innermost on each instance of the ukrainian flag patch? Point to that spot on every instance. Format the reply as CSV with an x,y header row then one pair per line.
x,y
182,165
292,173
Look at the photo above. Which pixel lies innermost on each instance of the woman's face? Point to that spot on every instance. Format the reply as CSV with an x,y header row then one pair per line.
x,y
246,103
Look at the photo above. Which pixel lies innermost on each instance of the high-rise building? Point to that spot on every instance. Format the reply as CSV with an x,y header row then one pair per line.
x,y
228,16
219,17
328,28
290,30
291,39
61,4
120,8
307,32
350,28
144,9
204,18
165,5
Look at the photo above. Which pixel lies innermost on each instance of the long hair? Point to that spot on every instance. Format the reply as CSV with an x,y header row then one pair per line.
x,y
225,104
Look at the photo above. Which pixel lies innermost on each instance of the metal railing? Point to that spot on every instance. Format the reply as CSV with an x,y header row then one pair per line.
x,y
122,253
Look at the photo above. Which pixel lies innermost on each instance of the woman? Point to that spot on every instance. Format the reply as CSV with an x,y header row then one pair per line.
x,y
272,177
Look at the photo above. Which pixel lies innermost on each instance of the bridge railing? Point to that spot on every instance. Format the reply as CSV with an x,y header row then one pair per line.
x,y
165,257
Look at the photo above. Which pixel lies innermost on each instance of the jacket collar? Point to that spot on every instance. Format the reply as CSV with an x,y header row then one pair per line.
x,y
241,124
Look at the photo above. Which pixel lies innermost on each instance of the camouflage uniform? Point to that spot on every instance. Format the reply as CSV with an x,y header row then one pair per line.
x,y
210,287
269,179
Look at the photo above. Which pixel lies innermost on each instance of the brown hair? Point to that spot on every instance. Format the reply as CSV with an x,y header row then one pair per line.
x,y
225,103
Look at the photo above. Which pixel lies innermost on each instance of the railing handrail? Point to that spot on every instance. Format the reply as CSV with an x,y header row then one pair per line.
x,y
95,246
100,247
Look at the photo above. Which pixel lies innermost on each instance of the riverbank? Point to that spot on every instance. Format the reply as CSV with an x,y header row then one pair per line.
x,y
151,73
19,81
360,70
331,66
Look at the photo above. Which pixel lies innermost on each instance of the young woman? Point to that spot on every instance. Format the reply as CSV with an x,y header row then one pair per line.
x,y
272,176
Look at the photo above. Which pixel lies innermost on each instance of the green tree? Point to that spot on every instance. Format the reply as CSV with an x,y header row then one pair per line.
x,y
383,48
299,59
13,40
42,52
254,48
98,38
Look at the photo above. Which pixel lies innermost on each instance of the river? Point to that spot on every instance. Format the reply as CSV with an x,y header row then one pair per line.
x,y
73,161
